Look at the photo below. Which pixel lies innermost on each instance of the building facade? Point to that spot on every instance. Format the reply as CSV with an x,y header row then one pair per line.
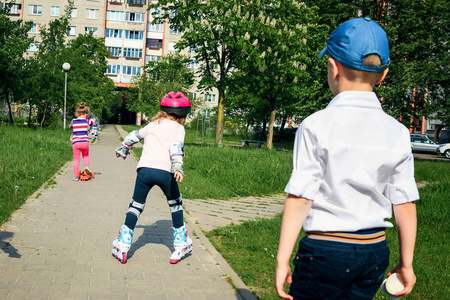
x,y
125,25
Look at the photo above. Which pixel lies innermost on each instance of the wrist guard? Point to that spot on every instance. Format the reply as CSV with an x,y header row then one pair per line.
x,y
122,151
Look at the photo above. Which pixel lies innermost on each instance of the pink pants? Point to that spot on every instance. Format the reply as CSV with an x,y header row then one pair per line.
x,y
82,147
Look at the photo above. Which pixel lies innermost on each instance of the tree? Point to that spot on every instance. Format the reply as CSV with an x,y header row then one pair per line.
x,y
86,79
418,82
283,40
170,74
14,42
418,31
47,79
214,30
87,57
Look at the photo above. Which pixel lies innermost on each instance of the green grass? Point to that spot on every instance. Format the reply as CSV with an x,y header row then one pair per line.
x,y
29,158
250,248
223,173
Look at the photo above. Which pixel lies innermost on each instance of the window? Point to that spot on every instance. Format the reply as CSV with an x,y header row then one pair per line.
x,y
136,2
54,11
152,58
113,33
34,47
35,10
35,29
15,9
132,52
155,12
134,35
135,17
175,31
113,69
172,46
112,15
74,13
91,13
191,96
72,30
115,51
154,43
210,98
129,70
193,64
155,27
94,31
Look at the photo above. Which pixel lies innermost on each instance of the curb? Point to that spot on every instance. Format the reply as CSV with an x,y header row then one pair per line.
x,y
237,282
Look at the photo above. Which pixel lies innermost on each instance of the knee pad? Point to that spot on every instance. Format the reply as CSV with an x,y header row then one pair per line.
x,y
175,205
135,208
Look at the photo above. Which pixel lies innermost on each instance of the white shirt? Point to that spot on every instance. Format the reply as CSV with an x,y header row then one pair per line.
x,y
353,161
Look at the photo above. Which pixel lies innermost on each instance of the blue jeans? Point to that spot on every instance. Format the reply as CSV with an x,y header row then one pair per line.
x,y
332,270
146,179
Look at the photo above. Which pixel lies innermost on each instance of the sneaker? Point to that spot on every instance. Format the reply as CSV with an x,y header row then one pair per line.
x,y
76,179
87,171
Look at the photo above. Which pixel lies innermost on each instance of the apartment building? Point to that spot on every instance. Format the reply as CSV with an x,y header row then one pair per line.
x,y
126,26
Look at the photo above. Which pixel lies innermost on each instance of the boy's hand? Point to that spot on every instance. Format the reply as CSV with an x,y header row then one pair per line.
x,y
408,276
282,275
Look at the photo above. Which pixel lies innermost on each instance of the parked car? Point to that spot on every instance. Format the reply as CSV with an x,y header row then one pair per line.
x,y
444,150
421,143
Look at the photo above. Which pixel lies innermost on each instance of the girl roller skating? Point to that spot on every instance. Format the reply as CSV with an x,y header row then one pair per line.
x,y
160,164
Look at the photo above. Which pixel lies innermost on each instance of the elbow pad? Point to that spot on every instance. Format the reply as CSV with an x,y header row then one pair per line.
x,y
131,139
176,153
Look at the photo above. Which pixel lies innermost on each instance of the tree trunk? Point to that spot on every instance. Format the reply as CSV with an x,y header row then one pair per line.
x,y
437,130
273,114
9,107
220,119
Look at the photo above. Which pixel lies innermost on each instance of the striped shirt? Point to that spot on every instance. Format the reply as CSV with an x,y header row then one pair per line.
x,y
80,128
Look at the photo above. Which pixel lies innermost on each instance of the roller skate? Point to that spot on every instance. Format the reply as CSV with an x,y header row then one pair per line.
x,y
122,244
182,244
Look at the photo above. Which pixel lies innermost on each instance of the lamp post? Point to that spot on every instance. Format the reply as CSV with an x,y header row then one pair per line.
x,y
66,68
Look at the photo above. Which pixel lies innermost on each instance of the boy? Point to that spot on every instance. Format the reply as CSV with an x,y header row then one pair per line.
x,y
352,162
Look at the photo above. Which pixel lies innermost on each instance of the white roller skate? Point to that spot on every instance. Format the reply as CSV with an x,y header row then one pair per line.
x,y
182,244
122,244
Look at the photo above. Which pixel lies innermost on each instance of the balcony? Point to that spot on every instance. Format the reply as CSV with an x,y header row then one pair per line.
x,y
137,2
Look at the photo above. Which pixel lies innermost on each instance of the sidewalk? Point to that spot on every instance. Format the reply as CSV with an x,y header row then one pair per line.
x,y
58,245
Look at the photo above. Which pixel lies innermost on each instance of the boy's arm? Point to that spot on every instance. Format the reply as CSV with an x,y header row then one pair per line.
x,y
406,219
294,214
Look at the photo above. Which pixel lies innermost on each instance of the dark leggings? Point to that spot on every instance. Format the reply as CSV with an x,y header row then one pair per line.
x,y
147,178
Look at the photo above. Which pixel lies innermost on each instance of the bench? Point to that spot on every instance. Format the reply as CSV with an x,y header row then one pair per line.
x,y
247,143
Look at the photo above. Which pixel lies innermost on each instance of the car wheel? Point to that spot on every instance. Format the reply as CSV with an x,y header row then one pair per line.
x,y
447,153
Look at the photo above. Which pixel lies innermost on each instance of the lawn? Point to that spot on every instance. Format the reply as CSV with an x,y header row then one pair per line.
x,y
251,248
31,157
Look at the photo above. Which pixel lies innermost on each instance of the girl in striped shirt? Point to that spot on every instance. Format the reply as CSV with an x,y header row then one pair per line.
x,y
80,139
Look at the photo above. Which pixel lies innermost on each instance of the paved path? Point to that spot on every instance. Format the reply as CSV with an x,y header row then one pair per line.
x,y
58,245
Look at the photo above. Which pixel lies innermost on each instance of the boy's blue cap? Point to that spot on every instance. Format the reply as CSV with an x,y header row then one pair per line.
x,y
356,38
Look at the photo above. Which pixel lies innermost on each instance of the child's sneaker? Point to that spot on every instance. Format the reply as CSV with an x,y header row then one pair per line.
x,y
76,179
182,244
122,244
88,171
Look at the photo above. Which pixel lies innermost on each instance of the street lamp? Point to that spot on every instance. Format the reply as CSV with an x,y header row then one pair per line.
x,y
66,68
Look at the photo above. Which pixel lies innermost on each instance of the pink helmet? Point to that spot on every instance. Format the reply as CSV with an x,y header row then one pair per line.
x,y
176,103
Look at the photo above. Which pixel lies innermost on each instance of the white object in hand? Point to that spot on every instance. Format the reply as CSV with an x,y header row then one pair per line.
x,y
394,284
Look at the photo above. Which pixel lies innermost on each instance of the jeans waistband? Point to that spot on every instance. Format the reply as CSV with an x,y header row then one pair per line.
x,y
365,237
